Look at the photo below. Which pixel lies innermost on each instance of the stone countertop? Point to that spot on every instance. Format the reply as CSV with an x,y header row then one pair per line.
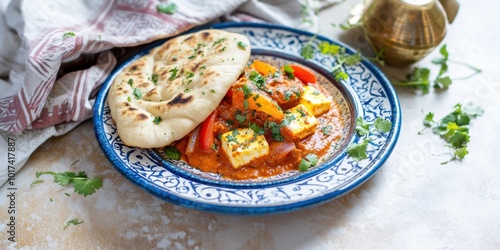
x,y
413,202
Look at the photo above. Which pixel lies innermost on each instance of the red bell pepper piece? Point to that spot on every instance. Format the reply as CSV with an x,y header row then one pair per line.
x,y
306,76
206,133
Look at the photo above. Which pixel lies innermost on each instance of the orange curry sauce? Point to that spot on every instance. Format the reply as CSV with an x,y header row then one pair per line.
x,y
278,86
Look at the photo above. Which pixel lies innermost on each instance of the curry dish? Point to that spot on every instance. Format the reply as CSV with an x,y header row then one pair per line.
x,y
274,119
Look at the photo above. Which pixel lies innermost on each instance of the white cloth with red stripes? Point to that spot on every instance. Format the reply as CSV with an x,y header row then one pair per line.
x,y
55,55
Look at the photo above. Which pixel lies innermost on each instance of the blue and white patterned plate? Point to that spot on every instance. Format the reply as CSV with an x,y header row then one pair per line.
x,y
366,93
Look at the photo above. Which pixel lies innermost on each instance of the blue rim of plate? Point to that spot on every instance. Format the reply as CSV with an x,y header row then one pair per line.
x,y
369,97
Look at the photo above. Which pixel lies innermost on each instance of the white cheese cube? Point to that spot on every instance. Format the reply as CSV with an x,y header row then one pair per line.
x,y
315,101
300,123
243,146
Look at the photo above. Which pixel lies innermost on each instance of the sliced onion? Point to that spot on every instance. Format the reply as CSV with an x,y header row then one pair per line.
x,y
192,140
281,149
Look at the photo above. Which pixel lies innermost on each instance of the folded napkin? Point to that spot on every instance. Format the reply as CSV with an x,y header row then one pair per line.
x,y
55,55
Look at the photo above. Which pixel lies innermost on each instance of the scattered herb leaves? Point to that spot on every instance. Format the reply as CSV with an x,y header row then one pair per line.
x,y
357,151
453,128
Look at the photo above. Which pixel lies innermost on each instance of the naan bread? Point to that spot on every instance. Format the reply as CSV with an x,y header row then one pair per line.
x,y
165,94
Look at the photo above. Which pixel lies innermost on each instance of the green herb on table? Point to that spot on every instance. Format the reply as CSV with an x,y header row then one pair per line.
x,y
82,184
357,151
453,128
72,222
419,79
167,8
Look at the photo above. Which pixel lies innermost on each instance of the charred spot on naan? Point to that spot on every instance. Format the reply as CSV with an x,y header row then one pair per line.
x,y
180,100
196,65
141,117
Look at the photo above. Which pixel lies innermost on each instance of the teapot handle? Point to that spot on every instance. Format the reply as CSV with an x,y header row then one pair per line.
x,y
451,8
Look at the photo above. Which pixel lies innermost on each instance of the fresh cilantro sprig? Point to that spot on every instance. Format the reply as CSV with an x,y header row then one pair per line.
x,y
453,128
357,151
82,184
420,79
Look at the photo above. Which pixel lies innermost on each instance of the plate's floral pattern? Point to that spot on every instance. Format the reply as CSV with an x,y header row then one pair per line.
x,y
366,93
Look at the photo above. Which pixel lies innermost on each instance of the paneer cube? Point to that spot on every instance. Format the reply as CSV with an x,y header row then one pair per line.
x,y
243,145
315,101
300,123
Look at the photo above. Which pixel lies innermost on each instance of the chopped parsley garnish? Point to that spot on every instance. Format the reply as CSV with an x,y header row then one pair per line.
x,y
275,131
309,161
257,79
189,74
327,130
173,74
241,118
213,91
129,99
242,45
172,153
246,91
157,120
219,41
137,93
256,129
154,78
167,8
130,82
192,56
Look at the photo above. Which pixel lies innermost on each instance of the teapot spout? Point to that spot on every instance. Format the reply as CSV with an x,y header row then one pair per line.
x,y
451,8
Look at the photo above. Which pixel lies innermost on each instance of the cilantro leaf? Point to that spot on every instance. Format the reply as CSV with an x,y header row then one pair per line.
x,y
174,74
167,8
86,186
418,79
429,119
80,181
362,127
172,153
307,52
326,48
137,93
357,151
309,161
382,125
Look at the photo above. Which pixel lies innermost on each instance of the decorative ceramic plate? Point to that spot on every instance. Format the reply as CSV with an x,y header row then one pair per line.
x,y
366,93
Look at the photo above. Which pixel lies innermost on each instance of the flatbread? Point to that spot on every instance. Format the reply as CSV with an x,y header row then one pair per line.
x,y
165,94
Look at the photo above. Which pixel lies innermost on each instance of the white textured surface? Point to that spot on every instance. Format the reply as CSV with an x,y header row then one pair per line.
x,y
413,202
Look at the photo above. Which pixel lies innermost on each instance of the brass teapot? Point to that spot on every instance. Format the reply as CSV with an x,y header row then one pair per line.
x,y
407,30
